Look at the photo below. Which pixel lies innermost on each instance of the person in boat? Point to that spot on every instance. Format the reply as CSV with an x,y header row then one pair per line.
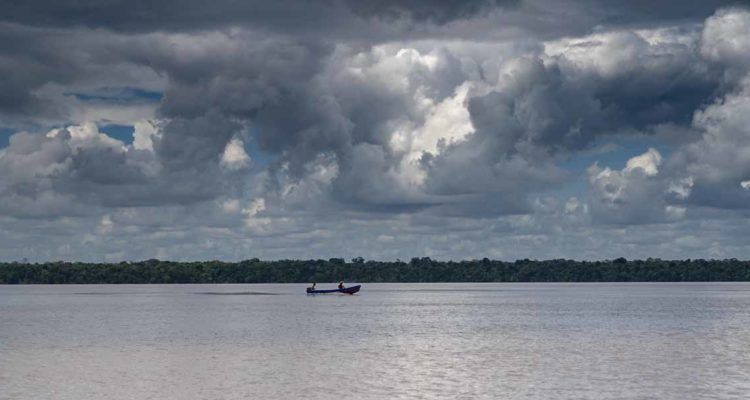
x,y
312,287
341,284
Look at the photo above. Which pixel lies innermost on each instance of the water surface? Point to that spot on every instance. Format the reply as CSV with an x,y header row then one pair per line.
x,y
470,341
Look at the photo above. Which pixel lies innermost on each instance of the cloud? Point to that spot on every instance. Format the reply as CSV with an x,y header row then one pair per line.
x,y
709,172
77,169
234,156
647,162
288,16
726,35
327,125
144,134
634,195
46,68
719,163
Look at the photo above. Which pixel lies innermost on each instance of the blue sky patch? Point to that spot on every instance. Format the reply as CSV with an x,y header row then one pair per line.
x,y
260,158
123,133
118,95
5,134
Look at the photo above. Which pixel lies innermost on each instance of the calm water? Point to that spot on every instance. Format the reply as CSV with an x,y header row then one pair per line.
x,y
494,341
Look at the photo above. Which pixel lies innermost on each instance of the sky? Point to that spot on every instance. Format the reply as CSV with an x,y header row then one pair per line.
x,y
505,129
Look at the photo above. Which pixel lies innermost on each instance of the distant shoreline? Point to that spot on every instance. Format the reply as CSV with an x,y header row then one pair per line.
x,y
359,270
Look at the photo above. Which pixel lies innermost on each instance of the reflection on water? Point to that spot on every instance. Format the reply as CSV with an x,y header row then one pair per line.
x,y
511,341
238,293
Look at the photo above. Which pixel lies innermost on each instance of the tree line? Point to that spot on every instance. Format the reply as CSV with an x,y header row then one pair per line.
x,y
358,270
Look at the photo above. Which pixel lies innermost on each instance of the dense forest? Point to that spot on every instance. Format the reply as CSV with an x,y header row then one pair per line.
x,y
359,270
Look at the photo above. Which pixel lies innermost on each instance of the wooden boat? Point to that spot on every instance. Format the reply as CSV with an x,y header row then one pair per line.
x,y
347,290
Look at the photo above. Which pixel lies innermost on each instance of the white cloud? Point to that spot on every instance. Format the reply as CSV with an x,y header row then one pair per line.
x,y
253,221
144,133
447,122
634,195
675,212
717,165
87,135
648,162
682,187
105,225
572,205
255,207
616,53
231,206
726,36
234,156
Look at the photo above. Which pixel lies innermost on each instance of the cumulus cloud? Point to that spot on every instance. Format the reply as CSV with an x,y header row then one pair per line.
x,y
73,171
647,162
234,156
719,163
726,36
144,134
419,119
634,195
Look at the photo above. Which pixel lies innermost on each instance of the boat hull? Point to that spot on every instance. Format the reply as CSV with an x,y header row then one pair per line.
x,y
348,290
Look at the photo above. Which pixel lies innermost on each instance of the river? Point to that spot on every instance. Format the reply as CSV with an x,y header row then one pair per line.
x,y
390,341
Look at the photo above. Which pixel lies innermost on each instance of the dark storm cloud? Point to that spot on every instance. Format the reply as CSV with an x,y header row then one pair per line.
x,y
44,67
193,143
215,85
286,15
237,82
28,62
362,20
40,57
440,11
564,105
618,12
215,82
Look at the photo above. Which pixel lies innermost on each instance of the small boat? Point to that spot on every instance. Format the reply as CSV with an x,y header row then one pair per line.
x,y
347,290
